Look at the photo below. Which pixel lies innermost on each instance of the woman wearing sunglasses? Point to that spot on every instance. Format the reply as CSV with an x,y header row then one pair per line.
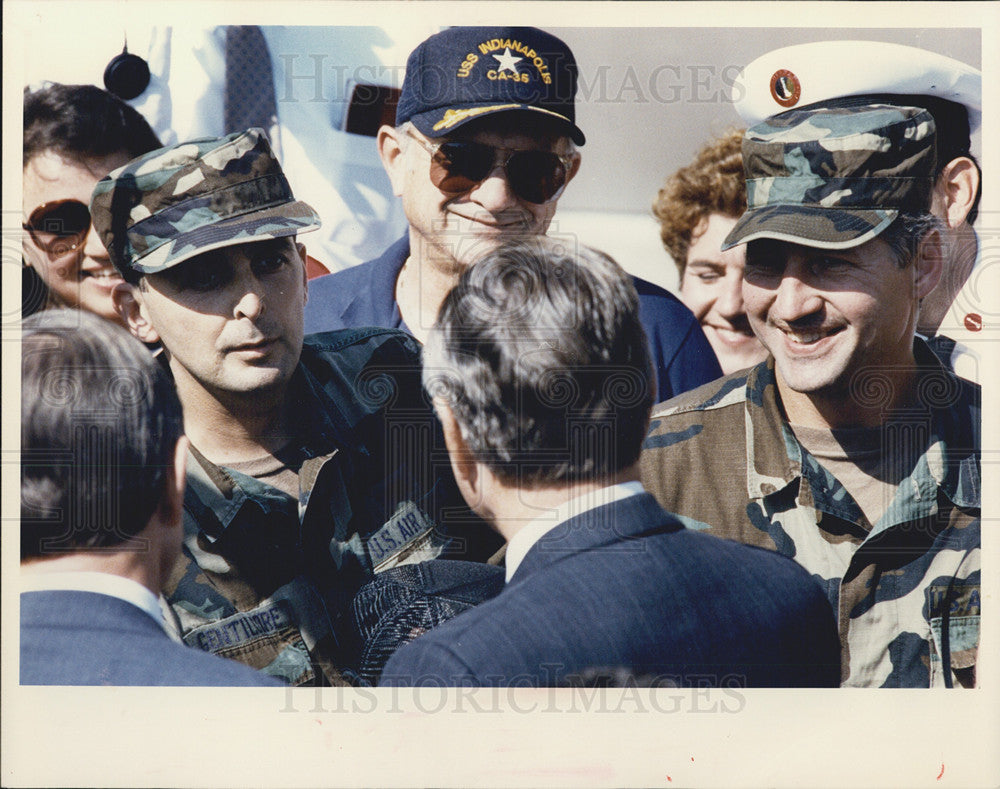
x,y
74,135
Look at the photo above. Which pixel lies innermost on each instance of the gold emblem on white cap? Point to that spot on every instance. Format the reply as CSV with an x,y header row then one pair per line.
x,y
785,88
825,70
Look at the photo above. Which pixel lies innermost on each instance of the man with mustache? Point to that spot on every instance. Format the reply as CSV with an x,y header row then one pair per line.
x,y
851,448
102,489
830,73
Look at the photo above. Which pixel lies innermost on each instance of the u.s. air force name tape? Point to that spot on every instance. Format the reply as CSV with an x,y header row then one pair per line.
x,y
402,535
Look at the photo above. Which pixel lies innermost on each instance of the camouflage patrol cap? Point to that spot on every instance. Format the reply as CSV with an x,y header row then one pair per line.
x,y
180,201
835,178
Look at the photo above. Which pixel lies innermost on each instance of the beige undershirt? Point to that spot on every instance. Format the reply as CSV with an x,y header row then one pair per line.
x,y
869,462
280,470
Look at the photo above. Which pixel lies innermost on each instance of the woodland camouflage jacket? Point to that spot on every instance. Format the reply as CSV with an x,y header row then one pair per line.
x,y
906,590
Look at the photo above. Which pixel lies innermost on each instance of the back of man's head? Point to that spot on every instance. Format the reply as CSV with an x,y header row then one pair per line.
x,y
540,355
100,421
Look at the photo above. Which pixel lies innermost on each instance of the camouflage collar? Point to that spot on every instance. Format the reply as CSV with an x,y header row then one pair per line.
x,y
212,495
215,494
774,456
955,409
776,460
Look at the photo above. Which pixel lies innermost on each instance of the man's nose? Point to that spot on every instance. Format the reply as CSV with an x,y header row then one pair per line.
x,y
729,303
795,299
494,193
93,247
250,304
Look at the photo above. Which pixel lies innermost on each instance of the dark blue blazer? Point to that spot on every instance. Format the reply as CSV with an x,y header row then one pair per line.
x,y
365,295
626,586
84,638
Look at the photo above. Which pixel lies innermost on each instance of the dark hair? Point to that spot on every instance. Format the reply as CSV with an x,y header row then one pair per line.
x,y
712,184
953,140
83,122
542,358
100,421
906,233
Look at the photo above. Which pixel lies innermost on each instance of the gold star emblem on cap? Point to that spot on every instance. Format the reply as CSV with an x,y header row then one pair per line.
x,y
507,61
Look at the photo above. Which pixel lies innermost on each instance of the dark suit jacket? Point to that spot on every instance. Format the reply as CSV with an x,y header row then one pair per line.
x,y
84,638
626,586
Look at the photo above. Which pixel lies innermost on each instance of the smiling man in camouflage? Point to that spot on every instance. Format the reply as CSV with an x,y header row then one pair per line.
x,y
310,463
851,448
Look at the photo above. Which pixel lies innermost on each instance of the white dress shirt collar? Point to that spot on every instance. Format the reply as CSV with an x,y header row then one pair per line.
x,y
522,542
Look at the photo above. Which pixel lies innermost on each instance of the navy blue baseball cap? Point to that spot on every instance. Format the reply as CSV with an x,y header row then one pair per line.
x,y
465,73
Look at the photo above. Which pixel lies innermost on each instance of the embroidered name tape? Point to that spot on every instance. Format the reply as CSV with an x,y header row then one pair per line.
x,y
399,534
240,629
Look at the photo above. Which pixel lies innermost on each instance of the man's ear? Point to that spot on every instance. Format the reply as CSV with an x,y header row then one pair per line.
x,y
168,517
129,303
574,167
390,150
177,479
463,462
169,511
301,249
955,191
929,264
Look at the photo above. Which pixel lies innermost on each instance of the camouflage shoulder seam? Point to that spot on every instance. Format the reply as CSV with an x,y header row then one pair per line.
x,y
722,392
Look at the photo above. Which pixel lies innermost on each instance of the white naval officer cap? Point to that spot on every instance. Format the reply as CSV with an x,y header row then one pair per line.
x,y
804,74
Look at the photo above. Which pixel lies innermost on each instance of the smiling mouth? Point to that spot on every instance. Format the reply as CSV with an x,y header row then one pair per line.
x,y
809,336
104,281
102,275
492,223
732,335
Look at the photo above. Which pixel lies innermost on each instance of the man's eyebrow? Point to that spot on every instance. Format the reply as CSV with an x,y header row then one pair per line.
x,y
272,244
763,248
706,264
201,259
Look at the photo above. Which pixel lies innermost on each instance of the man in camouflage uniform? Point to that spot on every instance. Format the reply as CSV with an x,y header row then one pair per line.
x,y
844,73
310,465
851,449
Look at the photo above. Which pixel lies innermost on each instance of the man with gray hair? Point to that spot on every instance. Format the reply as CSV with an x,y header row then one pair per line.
x,y
542,378
102,488
851,448
484,143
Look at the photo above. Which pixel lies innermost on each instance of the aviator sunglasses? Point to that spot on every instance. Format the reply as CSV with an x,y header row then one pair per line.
x,y
59,226
459,165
